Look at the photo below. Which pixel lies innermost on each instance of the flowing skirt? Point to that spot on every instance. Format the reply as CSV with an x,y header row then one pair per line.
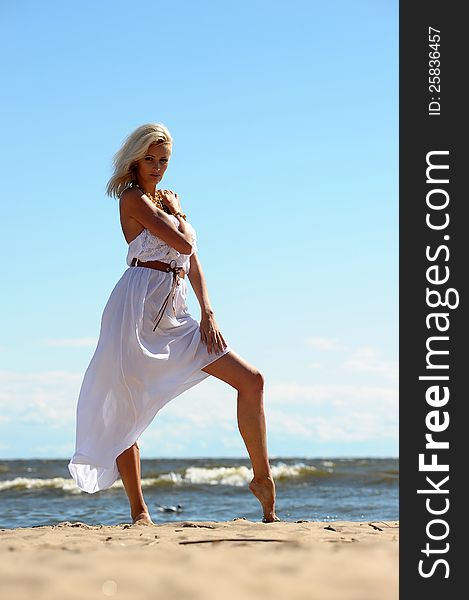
x,y
134,371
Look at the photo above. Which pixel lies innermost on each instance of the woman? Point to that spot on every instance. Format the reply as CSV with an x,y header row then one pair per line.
x,y
150,349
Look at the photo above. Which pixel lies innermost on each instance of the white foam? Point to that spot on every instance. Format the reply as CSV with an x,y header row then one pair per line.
x,y
239,475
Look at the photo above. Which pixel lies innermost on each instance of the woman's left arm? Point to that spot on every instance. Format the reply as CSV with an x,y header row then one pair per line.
x,y
209,331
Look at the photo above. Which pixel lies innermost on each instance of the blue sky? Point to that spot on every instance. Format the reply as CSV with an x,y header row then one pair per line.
x,y
284,118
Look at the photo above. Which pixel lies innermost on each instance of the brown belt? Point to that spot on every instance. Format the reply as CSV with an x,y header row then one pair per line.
x,y
162,266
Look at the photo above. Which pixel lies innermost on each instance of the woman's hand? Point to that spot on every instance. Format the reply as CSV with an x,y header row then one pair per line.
x,y
210,333
171,199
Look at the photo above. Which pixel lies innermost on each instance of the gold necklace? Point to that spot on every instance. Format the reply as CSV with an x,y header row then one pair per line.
x,y
157,199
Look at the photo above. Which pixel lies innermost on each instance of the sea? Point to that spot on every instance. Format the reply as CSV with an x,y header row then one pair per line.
x,y
38,492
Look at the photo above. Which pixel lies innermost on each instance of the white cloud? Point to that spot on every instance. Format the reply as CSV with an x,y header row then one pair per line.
x,y
324,343
350,427
55,449
333,412
322,412
366,359
47,397
72,342
338,395
318,413
363,359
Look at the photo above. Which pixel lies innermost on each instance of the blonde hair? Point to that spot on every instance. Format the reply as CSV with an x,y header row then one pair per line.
x,y
134,147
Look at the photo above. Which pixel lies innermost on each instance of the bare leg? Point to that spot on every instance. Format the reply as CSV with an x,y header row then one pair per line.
x,y
128,464
249,382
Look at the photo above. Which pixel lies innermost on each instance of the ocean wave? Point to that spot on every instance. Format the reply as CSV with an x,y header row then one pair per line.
x,y
29,483
237,476
231,476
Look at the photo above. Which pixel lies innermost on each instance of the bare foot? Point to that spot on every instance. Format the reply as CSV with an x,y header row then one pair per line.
x,y
142,518
264,490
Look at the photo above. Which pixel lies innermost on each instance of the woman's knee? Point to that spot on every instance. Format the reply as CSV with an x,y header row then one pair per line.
x,y
237,372
253,382
260,380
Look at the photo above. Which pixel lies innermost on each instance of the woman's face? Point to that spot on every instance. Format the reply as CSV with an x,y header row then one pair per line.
x,y
151,168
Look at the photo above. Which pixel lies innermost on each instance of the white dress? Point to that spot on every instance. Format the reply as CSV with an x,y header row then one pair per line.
x,y
135,371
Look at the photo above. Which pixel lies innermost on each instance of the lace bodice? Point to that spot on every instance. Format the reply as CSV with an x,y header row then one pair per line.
x,y
147,246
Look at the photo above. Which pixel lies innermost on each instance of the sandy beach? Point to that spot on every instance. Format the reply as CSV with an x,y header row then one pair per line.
x,y
202,560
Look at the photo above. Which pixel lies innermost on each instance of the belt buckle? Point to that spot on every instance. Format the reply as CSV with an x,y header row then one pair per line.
x,y
174,267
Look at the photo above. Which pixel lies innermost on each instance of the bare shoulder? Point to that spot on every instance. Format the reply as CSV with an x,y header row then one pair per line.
x,y
131,192
135,206
129,197
137,211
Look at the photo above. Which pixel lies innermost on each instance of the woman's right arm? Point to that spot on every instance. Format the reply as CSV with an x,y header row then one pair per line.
x,y
137,205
